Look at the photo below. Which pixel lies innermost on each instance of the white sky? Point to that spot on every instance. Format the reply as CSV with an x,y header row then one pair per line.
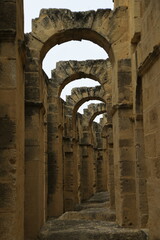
x,y
73,50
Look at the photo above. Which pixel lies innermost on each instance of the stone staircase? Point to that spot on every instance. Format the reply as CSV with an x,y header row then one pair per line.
x,y
92,220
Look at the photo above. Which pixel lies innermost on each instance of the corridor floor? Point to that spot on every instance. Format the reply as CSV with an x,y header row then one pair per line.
x,y
92,220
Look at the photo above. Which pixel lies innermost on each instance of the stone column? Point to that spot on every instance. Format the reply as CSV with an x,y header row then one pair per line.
x,y
68,174
11,120
104,162
88,164
70,164
110,168
55,155
99,166
35,147
124,162
76,171
141,173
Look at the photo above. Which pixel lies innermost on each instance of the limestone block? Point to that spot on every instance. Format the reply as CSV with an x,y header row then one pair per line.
x,y
32,65
32,79
127,168
150,145
8,12
7,49
7,223
8,104
32,153
8,196
7,73
7,132
7,164
126,153
127,185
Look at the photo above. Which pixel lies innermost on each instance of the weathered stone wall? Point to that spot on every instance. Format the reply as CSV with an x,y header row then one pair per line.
x,y
11,120
130,35
36,169
55,128
145,73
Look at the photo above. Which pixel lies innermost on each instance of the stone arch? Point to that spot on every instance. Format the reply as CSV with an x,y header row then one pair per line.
x,y
55,26
80,95
90,113
68,71
94,110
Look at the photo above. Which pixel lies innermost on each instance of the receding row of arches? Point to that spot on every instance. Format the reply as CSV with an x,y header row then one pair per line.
x,y
66,176
63,146
53,157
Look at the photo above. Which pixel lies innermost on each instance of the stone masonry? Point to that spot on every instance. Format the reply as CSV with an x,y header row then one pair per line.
x,y
62,175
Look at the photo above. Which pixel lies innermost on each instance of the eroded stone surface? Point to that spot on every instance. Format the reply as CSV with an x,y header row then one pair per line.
x,y
85,230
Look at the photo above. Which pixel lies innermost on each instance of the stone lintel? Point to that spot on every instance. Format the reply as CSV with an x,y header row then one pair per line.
x,y
149,61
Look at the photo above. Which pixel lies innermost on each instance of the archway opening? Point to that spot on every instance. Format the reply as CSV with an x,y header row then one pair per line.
x,y
85,105
72,50
78,83
98,118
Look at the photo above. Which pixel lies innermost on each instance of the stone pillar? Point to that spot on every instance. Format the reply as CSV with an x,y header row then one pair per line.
x,y
104,163
35,147
84,172
70,164
141,173
124,162
11,121
69,179
55,155
92,157
99,161
88,164
110,168
34,170
77,171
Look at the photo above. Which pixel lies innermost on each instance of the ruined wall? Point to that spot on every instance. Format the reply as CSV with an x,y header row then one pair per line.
x,y
131,38
11,120
145,72
36,158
